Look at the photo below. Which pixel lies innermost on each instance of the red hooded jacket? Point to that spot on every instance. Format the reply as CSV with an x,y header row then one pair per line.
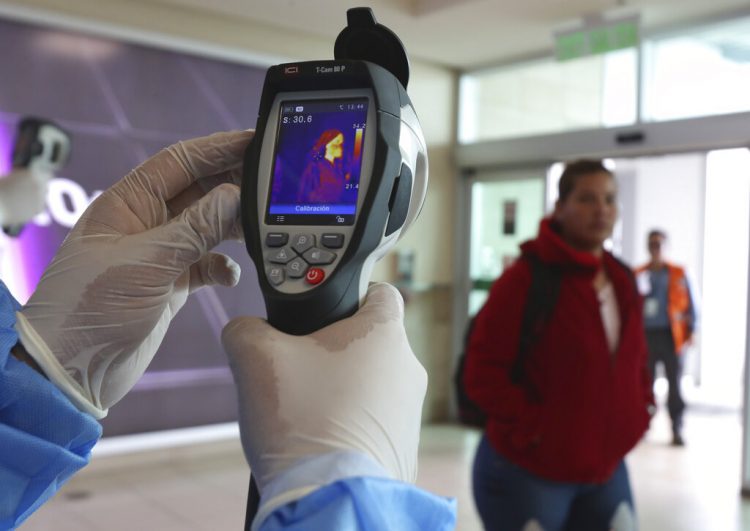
x,y
593,404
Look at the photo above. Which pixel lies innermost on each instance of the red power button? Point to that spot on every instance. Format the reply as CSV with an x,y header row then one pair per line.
x,y
315,275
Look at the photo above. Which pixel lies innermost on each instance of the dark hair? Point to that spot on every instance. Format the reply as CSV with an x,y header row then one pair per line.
x,y
575,169
657,232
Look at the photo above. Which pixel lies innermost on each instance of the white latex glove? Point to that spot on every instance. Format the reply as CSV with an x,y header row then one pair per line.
x,y
354,386
104,304
22,195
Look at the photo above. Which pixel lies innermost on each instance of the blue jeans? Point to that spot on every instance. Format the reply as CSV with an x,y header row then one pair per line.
x,y
509,498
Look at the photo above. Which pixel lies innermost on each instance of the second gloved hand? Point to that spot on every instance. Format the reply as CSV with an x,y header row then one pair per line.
x,y
104,304
352,387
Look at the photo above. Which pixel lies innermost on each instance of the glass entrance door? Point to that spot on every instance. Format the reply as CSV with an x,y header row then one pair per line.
x,y
506,207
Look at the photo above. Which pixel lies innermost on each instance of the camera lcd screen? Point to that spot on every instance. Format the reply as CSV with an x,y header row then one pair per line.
x,y
317,162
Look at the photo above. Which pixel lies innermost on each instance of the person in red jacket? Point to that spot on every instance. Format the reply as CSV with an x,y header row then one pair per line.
x,y
552,453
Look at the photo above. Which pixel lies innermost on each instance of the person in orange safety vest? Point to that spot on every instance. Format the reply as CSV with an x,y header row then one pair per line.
x,y
669,318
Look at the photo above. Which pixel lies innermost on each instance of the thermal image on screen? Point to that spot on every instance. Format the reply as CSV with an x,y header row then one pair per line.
x,y
318,162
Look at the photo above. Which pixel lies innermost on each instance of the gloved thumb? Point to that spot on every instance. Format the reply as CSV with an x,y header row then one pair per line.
x,y
248,340
382,302
243,336
203,225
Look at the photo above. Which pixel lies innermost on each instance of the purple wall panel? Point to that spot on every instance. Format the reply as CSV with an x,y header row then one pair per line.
x,y
123,103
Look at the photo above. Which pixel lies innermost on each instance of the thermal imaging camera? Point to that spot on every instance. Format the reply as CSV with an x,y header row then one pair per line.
x,y
40,146
335,175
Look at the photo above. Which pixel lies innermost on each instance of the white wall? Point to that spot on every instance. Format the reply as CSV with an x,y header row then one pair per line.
x,y
245,39
668,194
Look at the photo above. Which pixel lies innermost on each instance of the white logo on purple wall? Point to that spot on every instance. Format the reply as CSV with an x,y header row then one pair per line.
x,y
66,202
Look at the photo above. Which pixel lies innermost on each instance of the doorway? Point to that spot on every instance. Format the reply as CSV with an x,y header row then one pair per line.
x,y
707,193
702,201
506,207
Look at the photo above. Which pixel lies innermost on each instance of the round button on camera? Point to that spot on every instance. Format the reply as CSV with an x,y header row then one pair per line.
x,y
315,275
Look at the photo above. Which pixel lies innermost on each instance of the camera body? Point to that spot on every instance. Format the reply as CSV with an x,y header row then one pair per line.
x,y
336,173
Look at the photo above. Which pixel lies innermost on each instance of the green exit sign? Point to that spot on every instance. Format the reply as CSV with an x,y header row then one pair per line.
x,y
597,38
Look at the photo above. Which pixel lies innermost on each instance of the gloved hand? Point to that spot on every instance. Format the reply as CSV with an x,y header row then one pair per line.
x,y
354,386
22,195
104,304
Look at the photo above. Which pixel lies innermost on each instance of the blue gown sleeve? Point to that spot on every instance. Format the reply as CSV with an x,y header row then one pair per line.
x,y
361,503
44,438
365,504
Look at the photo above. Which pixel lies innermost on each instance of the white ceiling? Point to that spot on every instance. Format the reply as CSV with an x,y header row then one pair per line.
x,y
464,33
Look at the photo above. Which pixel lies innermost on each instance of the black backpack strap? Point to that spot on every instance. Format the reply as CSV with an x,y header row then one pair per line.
x,y
469,413
540,302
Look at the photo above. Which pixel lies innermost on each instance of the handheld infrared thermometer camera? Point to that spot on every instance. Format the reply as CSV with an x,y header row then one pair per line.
x,y
40,147
335,175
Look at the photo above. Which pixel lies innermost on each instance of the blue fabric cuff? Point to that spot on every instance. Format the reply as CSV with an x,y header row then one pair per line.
x,y
321,470
349,490
45,438
365,504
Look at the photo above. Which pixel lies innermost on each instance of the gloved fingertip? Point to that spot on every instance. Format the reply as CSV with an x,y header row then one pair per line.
x,y
229,191
224,270
235,176
214,269
231,141
235,273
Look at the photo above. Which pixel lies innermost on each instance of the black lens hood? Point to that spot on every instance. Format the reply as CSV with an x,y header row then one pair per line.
x,y
364,39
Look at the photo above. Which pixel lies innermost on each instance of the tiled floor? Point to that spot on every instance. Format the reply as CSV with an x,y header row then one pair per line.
x,y
203,487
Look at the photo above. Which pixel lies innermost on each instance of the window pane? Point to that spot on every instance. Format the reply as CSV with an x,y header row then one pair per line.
x,y
548,96
704,73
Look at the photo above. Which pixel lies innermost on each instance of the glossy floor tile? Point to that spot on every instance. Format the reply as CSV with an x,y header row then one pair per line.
x,y
203,487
